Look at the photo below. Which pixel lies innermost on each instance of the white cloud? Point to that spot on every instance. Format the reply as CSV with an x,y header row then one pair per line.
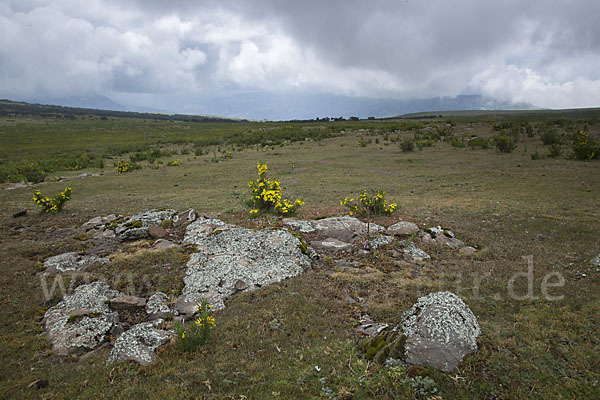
x,y
526,85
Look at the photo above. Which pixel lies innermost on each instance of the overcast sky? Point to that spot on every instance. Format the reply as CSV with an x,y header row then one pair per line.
x,y
546,53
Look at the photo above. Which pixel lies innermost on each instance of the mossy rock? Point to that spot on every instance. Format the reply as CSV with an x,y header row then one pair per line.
x,y
302,246
384,346
166,223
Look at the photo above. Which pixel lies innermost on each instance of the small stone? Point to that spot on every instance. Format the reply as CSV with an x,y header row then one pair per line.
x,y
240,285
38,384
415,253
20,214
466,250
157,232
163,244
371,329
596,260
127,302
331,244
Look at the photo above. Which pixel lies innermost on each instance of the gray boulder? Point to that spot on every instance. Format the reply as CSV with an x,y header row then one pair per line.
x,y
414,253
158,306
81,321
596,260
71,261
139,344
298,225
437,331
344,228
441,236
440,330
227,254
331,245
136,226
379,241
402,228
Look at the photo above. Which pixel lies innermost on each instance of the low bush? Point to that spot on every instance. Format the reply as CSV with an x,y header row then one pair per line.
x,y
266,195
52,205
504,143
369,205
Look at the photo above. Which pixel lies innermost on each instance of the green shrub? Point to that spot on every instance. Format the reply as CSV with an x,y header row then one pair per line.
x,y
407,145
550,137
174,163
369,205
196,333
54,205
536,155
482,142
504,143
584,147
266,195
32,172
555,150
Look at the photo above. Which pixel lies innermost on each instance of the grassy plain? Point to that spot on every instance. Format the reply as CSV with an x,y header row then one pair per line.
x,y
268,343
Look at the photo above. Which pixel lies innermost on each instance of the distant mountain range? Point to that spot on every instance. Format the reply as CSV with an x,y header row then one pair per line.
x,y
288,106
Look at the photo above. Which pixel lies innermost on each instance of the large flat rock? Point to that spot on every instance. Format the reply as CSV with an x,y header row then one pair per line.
x,y
227,254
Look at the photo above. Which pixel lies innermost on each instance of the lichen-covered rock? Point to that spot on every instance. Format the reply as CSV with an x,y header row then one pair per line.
x,y
71,261
437,331
441,236
184,217
331,245
203,227
228,254
99,222
596,260
379,241
81,321
136,226
299,225
158,306
413,253
344,228
402,228
139,344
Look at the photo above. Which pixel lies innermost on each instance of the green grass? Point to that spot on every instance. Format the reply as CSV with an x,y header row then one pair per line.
x,y
268,342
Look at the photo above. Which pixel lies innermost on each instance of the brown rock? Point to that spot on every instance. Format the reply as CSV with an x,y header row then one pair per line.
x,y
127,302
163,244
157,232
240,285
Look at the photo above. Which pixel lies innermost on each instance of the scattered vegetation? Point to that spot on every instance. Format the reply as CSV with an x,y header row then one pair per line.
x,y
52,205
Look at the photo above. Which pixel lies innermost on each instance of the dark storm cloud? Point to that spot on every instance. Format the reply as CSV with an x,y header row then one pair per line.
x,y
543,52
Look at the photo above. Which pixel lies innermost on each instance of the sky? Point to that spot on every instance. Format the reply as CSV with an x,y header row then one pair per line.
x,y
181,55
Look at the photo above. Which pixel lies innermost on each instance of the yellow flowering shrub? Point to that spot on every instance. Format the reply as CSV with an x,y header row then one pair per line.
x,y
123,166
174,163
369,205
197,332
52,205
585,147
266,195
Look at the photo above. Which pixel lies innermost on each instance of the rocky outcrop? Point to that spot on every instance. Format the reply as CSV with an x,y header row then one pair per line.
x,y
227,254
139,344
71,261
438,331
441,236
136,226
81,321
